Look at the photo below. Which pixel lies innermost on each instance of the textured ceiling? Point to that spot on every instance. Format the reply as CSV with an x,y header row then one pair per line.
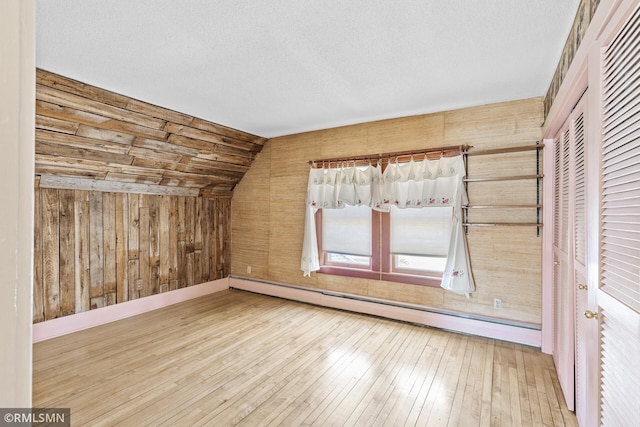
x,y
279,67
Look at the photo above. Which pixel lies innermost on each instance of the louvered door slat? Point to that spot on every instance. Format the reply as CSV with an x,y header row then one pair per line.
x,y
620,192
564,203
556,192
623,137
612,73
621,164
620,44
624,110
628,254
580,201
619,287
612,277
621,47
620,177
620,203
620,379
617,80
622,158
624,214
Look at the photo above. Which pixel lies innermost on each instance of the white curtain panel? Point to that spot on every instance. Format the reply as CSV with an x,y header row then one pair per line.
x,y
416,184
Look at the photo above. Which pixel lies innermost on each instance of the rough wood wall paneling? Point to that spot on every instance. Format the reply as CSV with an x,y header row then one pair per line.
x,y
93,249
84,132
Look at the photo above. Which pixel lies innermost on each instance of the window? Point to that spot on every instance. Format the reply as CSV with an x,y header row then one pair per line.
x,y
419,239
347,236
404,245
378,240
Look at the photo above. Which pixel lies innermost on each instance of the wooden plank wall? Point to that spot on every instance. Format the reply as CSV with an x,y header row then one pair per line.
x,y
131,199
92,137
93,249
268,207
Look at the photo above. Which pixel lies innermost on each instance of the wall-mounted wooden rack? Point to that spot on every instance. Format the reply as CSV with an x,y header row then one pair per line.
x,y
515,149
500,206
507,224
503,178
537,177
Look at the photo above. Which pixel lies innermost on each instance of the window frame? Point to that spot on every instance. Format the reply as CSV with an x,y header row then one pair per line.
x,y
381,267
368,272
388,273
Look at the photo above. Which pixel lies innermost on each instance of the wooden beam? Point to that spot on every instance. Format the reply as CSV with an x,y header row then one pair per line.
x,y
50,181
133,177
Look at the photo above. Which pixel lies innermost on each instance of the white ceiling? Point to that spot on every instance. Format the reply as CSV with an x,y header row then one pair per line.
x,y
279,67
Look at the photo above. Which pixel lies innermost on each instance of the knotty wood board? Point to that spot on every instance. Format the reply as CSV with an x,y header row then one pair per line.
x,y
93,249
67,251
50,253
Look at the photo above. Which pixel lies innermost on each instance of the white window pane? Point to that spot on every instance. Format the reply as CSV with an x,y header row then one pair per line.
x,y
346,259
347,230
424,231
420,263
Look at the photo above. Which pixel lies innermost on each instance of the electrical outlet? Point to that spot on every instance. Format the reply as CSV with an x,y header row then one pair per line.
x,y
248,269
497,303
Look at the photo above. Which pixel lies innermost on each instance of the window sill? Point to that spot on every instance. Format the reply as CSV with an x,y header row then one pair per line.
x,y
374,275
349,272
411,279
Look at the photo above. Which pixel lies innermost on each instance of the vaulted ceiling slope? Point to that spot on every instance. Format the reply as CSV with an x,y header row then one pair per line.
x,y
279,67
90,138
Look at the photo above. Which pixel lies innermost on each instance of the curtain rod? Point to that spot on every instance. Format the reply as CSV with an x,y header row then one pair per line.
x,y
456,149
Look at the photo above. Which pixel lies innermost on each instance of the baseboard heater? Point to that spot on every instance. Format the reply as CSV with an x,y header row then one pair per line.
x,y
523,333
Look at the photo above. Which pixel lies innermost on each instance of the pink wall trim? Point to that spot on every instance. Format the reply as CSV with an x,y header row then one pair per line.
x,y
513,333
77,322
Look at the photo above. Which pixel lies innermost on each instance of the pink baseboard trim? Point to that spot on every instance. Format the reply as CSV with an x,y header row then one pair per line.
x,y
484,328
65,325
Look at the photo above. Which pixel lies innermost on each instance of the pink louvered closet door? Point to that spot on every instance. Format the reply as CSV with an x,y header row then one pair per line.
x,y
586,329
563,274
576,347
562,278
618,272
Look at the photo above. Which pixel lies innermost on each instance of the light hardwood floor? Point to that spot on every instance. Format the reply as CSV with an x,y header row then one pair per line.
x,y
239,358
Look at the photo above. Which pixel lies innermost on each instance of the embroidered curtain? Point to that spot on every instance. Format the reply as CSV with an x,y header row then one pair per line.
x,y
416,184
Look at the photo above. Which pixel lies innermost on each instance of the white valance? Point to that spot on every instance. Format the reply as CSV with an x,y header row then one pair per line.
x,y
331,188
415,184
